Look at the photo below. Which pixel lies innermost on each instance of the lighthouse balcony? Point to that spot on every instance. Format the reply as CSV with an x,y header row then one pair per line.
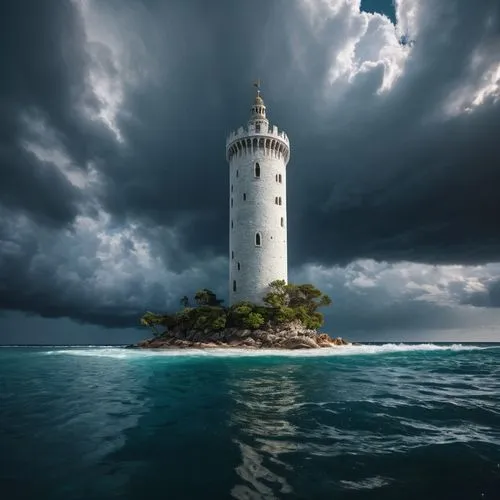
x,y
270,142
255,130
266,145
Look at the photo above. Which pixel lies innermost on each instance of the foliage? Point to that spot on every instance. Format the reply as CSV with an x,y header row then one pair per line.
x,y
253,321
239,314
283,303
154,321
219,323
284,314
184,317
206,297
278,294
297,302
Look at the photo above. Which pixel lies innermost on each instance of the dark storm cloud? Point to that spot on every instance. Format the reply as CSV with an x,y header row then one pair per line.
x,y
395,182
487,298
430,199
44,75
175,170
90,277
377,176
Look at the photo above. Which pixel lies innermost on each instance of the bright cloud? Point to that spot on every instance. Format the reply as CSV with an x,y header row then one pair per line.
x,y
378,283
118,58
359,43
43,142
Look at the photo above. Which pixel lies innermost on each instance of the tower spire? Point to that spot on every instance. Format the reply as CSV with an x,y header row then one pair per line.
x,y
258,108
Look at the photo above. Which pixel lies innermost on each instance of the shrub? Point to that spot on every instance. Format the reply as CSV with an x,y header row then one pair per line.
x,y
253,321
206,297
201,323
296,302
242,310
285,315
219,323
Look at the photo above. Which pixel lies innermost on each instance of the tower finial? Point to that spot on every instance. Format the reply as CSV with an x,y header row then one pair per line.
x,y
258,99
257,84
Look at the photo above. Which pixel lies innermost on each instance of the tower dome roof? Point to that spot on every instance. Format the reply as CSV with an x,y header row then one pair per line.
x,y
258,107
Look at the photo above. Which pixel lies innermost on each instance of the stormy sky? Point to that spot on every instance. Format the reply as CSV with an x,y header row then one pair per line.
x,y
114,185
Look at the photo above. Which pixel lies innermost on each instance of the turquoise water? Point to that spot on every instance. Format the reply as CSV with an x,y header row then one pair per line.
x,y
372,422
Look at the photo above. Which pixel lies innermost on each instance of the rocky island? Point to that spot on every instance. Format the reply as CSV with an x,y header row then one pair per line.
x,y
279,315
287,319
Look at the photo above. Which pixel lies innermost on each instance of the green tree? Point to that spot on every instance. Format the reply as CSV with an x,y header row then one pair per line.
x,y
285,314
185,318
154,321
185,301
308,296
296,302
237,313
206,297
201,322
219,323
277,295
253,321
201,297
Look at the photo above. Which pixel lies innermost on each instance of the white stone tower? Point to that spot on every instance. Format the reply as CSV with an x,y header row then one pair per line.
x,y
258,155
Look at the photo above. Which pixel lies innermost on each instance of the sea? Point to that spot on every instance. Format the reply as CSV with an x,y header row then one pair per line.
x,y
378,421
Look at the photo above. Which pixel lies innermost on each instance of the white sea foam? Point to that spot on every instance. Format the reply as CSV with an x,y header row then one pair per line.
x,y
121,353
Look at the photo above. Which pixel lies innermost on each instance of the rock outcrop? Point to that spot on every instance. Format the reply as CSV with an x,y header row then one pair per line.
x,y
286,336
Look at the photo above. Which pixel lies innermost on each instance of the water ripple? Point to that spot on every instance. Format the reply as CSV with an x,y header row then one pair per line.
x,y
385,422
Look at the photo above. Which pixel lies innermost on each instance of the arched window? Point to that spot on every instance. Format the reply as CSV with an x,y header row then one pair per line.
x,y
239,267
231,203
276,177
257,170
234,285
232,254
257,127
244,196
237,173
279,200
232,225
279,178
258,239
232,188
282,222
276,200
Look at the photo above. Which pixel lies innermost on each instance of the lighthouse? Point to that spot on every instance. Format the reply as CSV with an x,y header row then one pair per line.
x,y
257,155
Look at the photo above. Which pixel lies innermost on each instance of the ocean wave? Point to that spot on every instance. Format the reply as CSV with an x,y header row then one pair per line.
x,y
365,484
352,350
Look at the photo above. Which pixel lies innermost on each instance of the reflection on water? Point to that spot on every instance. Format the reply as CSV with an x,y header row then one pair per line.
x,y
262,403
348,426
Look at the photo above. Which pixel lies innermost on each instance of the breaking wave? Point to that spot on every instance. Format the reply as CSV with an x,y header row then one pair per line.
x,y
353,350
